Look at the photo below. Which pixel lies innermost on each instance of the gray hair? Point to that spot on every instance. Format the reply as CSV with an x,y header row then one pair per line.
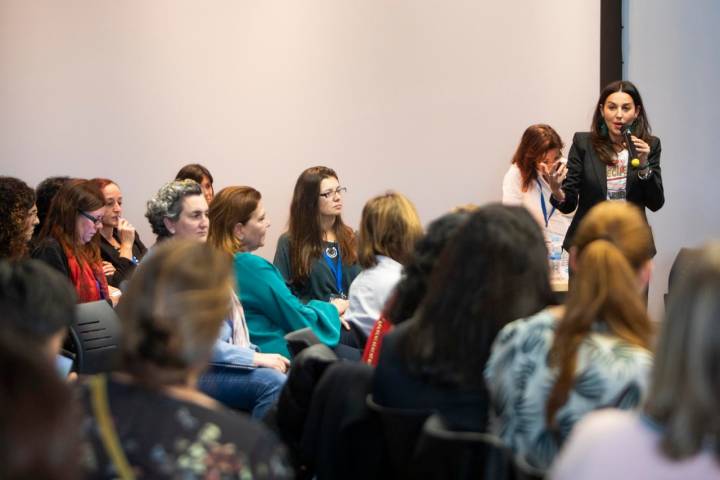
x,y
167,203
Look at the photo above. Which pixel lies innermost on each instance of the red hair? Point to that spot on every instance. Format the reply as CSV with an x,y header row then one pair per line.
x,y
535,142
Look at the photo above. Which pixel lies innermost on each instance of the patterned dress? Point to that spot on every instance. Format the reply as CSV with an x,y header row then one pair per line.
x,y
166,438
609,373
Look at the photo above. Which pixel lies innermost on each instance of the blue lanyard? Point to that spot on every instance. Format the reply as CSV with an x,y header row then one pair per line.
x,y
542,204
336,269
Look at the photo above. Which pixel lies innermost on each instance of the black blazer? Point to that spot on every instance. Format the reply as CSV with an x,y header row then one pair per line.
x,y
586,184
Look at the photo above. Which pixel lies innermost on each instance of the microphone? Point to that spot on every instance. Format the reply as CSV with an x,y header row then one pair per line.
x,y
632,153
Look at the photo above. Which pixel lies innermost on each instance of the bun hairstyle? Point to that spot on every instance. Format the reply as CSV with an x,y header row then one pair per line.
x,y
612,244
173,310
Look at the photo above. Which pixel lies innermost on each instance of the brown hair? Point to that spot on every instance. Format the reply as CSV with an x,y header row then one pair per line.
x,y
74,196
194,171
536,141
16,201
390,226
173,310
612,244
232,205
684,394
599,137
304,232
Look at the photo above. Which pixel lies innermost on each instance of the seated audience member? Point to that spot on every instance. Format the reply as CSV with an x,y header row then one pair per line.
x,y
677,435
271,310
494,269
18,217
411,288
548,371
39,419
162,426
179,208
255,386
44,193
38,306
179,211
389,228
202,176
317,255
120,245
68,241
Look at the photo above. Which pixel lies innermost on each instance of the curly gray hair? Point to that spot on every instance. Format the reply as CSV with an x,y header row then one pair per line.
x,y
167,203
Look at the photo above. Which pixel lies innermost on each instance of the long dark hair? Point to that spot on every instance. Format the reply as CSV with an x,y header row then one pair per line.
x,y
685,390
304,232
75,195
412,287
599,136
493,271
16,201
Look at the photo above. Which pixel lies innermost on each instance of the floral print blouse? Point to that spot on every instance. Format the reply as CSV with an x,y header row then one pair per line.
x,y
166,438
609,373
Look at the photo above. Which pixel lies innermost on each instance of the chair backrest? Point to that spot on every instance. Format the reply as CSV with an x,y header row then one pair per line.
x,y
95,334
443,453
299,340
400,431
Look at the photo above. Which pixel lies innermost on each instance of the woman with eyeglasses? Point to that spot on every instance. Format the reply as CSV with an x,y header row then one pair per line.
x,y
68,240
318,254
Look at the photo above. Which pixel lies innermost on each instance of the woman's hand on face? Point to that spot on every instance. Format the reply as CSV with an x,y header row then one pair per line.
x,y
108,269
126,232
555,176
642,149
272,360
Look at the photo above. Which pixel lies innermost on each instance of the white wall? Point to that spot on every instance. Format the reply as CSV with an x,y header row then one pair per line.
x,y
671,53
426,97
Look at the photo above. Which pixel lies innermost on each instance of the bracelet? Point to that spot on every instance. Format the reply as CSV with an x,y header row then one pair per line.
x,y
646,175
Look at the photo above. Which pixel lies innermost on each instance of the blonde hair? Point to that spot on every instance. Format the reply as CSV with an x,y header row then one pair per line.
x,y
612,244
390,226
232,205
173,310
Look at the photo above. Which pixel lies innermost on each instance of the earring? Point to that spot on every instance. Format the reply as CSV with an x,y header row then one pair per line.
x,y
602,128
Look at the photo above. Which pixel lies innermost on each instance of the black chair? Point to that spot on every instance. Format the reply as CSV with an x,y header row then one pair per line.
x,y
299,340
442,453
401,429
95,338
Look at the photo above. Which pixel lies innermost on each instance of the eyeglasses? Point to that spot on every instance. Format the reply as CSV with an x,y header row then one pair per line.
x,y
332,193
94,220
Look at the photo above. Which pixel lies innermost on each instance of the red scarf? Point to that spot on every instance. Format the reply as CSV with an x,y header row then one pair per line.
x,y
88,279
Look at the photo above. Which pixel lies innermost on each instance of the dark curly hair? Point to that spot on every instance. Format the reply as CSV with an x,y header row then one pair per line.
x,y
492,271
412,287
16,200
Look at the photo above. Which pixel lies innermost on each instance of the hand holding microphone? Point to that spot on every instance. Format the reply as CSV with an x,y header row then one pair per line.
x,y
638,151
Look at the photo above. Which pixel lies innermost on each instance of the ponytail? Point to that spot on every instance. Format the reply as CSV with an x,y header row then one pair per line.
x,y
604,290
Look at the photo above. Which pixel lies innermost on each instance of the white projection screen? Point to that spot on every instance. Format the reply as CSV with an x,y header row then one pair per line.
x,y
425,97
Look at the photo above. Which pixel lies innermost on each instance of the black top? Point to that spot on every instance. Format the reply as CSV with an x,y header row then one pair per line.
x,y
395,386
321,283
163,437
51,252
586,183
124,267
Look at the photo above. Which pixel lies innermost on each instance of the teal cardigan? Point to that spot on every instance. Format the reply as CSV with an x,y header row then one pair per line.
x,y
272,311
